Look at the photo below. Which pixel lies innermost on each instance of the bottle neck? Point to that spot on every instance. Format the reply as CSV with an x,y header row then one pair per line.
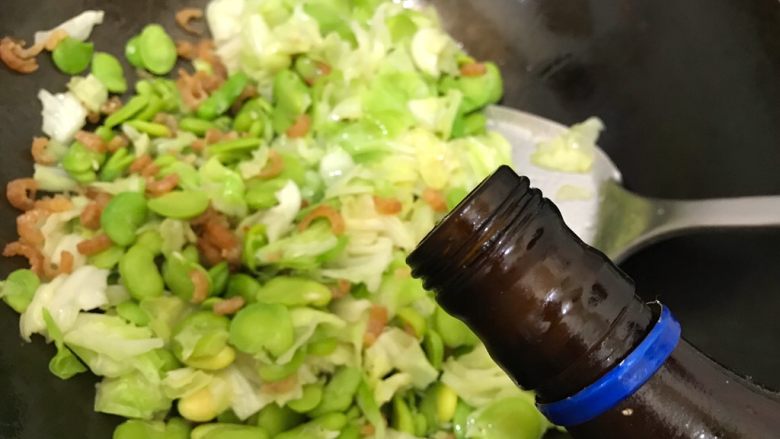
x,y
553,312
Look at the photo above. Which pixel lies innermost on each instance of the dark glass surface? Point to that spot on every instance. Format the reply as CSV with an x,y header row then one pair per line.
x,y
690,94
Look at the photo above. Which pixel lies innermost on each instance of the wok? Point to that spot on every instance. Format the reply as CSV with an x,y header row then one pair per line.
x,y
690,95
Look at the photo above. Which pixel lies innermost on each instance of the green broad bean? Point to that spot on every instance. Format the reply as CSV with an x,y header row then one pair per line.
x,y
176,273
178,428
107,259
218,278
339,391
223,123
195,126
164,360
228,431
85,177
233,147
277,372
469,125
105,133
223,97
262,326
72,56
165,160
306,68
156,49
411,317
329,422
427,408
446,403
210,302
294,169
438,405
152,240
132,52
505,418
243,285
144,88
130,109
312,395
254,239
434,348
420,424
180,204
364,399
137,429
294,291
139,273
274,419
108,70
190,253
350,431
453,332
167,91
122,216
253,110
19,288
459,421
291,99
220,360
80,159
353,413
309,69
228,417
151,128
154,106
201,406
131,311
201,335
256,129
402,418
261,194
188,175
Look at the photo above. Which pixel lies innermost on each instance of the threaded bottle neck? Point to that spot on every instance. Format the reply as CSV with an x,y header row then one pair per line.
x,y
553,312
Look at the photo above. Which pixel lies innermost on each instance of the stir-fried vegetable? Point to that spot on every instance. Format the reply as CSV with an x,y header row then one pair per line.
x,y
231,243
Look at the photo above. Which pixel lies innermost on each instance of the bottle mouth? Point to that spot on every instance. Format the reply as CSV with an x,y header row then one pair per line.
x,y
471,227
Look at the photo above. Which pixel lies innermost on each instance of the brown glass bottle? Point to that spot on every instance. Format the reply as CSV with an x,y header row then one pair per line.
x,y
557,315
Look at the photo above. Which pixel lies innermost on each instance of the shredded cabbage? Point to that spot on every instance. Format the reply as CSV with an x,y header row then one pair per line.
x,y
78,27
64,297
63,115
89,90
572,151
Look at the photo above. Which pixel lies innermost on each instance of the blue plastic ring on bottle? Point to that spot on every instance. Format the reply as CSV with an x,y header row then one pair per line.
x,y
622,380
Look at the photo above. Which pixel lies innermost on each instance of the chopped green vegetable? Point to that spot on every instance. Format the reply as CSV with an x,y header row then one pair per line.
x,y
19,288
223,97
156,49
179,204
72,56
107,69
123,215
133,53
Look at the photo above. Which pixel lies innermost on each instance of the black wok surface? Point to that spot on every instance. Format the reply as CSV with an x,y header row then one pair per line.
x,y
689,91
